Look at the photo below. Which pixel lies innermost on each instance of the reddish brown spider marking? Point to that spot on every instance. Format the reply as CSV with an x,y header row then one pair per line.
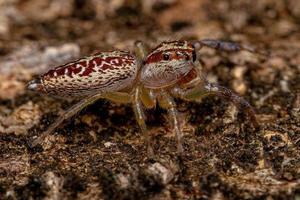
x,y
89,75
171,51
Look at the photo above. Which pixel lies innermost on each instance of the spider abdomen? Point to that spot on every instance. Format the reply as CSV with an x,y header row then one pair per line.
x,y
100,73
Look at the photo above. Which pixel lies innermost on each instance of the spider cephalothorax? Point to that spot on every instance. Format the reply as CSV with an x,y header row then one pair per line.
x,y
169,70
167,63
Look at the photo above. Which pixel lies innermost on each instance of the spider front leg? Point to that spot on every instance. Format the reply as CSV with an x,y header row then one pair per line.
x,y
140,118
225,46
167,102
204,89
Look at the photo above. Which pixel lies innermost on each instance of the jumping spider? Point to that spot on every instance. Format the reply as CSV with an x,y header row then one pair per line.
x,y
170,70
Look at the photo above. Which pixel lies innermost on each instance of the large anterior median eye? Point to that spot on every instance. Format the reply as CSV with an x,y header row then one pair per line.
x,y
187,57
166,56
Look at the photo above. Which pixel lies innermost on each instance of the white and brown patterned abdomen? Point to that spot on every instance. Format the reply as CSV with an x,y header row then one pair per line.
x,y
100,73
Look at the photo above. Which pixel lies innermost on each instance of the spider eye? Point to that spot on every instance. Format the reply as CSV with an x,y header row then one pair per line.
x,y
166,56
187,57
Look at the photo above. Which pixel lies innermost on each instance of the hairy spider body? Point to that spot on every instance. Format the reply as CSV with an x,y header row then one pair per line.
x,y
167,63
170,70
100,73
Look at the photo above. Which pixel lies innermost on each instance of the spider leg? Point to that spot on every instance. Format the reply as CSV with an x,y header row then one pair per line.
x,y
140,51
204,89
237,100
140,118
147,97
117,97
225,46
168,103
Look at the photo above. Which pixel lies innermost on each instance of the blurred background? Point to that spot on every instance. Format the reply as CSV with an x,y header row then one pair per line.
x,y
100,155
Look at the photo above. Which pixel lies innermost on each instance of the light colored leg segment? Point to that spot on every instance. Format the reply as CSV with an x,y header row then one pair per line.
x,y
140,50
118,97
168,103
147,97
140,117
